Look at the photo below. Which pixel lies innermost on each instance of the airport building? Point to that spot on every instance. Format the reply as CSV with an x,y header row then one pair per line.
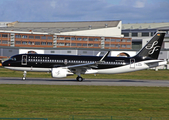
x,y
99,35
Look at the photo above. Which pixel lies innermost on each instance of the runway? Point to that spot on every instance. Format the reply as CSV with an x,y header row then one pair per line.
x,y
89,82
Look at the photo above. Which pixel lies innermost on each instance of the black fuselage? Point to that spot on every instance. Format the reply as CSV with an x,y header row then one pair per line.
x,y
52,61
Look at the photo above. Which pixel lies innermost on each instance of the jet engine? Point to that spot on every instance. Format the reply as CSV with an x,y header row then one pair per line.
x,y
59,72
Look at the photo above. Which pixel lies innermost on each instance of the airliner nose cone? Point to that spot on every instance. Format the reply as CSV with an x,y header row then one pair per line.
x,y
4,63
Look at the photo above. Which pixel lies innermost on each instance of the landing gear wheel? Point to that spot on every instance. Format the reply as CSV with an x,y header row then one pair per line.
x,y
79,78
24,75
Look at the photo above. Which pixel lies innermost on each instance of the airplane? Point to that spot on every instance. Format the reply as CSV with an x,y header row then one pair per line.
x,y
61,66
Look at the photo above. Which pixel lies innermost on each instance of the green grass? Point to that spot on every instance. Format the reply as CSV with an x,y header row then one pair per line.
x,y
44,101
144,74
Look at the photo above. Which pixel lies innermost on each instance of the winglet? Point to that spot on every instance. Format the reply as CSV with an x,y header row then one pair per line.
x,y
101,60
98,54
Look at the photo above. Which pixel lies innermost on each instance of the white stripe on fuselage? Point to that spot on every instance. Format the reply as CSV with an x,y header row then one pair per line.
x,y
29,69
123,69
130,67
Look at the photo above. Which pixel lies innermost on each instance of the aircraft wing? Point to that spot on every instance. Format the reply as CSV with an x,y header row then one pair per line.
x,y
87,65
93,64
84,67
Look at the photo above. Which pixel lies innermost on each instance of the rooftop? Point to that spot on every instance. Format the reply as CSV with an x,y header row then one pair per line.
x,y
145,25
57,27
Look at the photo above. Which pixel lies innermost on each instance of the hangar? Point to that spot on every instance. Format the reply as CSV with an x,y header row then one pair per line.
x,y
94,34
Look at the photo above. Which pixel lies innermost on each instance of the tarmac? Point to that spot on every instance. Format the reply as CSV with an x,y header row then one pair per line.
x,y
88,82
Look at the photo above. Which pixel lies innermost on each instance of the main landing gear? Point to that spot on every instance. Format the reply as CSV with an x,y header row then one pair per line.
x,y
79,78
24,75
78,72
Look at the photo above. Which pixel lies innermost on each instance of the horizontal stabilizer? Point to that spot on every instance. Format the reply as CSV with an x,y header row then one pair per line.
x,y
155,63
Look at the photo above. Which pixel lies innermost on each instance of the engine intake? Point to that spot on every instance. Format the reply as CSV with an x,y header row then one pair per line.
x,y
59,72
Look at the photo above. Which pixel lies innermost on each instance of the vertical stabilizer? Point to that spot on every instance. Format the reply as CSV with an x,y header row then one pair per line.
x,y
152,49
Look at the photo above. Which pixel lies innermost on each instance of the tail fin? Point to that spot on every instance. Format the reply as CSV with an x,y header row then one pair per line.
x,y
152,49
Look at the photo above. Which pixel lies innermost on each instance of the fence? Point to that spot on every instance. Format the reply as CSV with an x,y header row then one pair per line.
x,y
75,117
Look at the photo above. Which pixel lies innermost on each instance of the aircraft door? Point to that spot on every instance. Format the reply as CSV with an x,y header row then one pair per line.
x,y
24,60
132,63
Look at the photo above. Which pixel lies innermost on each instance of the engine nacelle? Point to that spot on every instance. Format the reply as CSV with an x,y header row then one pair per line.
x,y
59,72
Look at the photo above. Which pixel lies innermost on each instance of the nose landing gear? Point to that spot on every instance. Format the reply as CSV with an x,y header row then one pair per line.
x,y
24,75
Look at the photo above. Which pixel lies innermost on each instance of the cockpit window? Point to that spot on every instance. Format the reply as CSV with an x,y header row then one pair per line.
x,y
12,58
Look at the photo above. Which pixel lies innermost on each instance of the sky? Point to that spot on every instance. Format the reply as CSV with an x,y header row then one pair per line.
x,y
128,11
